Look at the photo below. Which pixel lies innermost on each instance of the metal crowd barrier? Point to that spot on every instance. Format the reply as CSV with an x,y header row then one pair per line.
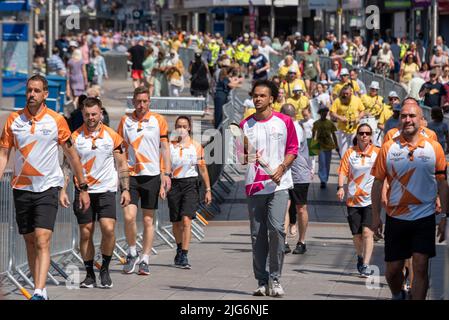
x,y
193,106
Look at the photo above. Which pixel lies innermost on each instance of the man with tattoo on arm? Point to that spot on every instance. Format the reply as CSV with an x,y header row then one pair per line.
x,y
35,132
98,146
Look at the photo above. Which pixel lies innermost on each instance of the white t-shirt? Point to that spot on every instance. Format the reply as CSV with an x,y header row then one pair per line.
x,y
302,171
273,138
308,125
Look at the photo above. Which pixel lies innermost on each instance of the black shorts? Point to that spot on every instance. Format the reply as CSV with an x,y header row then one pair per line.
x,y
403,238
147,189
36,209
359,217
102,205
298,195
183,198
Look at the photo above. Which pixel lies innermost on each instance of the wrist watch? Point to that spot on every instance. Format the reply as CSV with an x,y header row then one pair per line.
x,y
83,186
339,187
208,189
167,174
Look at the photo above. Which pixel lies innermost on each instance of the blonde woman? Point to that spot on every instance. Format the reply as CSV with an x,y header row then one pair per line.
x,y
175,75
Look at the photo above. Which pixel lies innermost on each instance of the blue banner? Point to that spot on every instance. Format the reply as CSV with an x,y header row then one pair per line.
x,y
14,5
15,32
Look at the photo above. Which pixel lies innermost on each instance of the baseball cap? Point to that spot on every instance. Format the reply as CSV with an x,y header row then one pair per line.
x,y
255,47
292,70
73,44
393,94
344,72
246,35
298,34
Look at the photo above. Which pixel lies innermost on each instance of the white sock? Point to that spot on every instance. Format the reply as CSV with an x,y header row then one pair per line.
x,y
132,250
44,293
38,292
146,258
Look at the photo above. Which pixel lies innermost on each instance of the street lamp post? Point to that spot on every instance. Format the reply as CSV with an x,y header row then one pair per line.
x,y
434,22
272,20
299,17
50,27
339,19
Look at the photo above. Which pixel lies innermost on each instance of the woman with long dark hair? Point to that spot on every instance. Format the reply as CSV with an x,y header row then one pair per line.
x,y
355,166
187,157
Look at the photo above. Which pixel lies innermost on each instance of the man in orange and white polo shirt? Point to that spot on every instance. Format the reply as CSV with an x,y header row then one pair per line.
x,y
35,132
424,131
415,168
98,146
145,136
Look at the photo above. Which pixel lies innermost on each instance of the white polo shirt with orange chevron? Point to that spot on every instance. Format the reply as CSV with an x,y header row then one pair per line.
x,y
412,173
185,158
142,140
97,157
36,139
357,165
425,132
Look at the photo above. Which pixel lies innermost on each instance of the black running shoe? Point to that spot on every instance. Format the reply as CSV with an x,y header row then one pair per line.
x,y
300,248
184,262
89,282
105,279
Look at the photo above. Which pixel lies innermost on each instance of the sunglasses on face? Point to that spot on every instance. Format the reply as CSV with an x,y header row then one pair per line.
x,y
364,133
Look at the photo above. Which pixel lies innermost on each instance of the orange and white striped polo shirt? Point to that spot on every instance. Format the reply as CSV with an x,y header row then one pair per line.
x,y
96,154
425,132
412,173
357,165
36,139
185,158
142,139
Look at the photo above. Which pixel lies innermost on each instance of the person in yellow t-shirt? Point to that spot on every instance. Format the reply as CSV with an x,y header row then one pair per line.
x,y
372,101
348,109
292,81
299,101
289,62
280,101
345,79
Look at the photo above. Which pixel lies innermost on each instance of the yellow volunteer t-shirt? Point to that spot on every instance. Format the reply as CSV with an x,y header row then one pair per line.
x,y
351,112
283,71
289,86
340,85
373,105
385,114
299,104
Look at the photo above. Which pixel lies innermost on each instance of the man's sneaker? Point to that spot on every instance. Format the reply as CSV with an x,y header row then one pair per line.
x,y
105,279
89,282
287,249
276,289
359,263
144,268
37,297
184,262
323,185
130,264
178,257
300,248
261,291
365,271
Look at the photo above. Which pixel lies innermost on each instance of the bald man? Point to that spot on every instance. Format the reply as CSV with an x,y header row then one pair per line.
x,y
415,168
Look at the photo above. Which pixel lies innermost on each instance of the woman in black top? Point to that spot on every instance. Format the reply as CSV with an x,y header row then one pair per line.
x,y
199,83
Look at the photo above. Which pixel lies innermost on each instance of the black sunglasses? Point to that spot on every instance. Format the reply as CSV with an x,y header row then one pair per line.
x,y
364,133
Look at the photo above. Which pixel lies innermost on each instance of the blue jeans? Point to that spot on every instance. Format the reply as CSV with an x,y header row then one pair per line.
x,y
324,165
